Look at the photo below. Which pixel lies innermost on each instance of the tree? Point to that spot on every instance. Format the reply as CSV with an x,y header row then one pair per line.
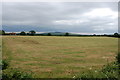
x,y
49,34
116,34
22,33
94,34
32,32
27,33
67,34
2,32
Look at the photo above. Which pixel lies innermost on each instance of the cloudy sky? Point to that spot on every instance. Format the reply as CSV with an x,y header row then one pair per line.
x,y
81,17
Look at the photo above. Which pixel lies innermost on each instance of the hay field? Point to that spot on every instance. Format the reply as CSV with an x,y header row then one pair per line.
x,y
57,56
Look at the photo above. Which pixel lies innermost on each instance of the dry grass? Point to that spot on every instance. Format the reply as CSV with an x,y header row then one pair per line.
x,y
58,56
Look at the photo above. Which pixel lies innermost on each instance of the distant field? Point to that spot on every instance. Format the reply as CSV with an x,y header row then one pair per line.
x,y
53,57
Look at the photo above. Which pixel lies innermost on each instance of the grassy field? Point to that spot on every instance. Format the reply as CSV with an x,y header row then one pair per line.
x,y
58,57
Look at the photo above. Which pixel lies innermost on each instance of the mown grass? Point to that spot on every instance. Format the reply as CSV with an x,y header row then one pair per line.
x,y
59,57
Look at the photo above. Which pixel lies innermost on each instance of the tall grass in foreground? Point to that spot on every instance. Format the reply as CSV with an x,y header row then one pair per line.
x,y
109,71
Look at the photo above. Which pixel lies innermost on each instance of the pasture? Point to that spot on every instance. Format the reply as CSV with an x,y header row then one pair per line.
x,y
58,56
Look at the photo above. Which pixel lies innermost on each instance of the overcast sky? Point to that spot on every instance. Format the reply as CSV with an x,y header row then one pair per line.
x,y
82,17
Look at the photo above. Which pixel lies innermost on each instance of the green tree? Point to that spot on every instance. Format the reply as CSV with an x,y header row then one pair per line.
x,y
67,34
2,32
116,35
49,34
32,32
22,33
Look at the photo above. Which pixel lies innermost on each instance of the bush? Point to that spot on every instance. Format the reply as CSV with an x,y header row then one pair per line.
x,y
118,58
5,64
15,74
118,61
109,71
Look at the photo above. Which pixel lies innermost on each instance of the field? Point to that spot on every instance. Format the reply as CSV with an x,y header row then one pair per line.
x,y
57,56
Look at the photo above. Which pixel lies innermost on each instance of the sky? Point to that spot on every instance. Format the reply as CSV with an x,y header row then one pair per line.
x,y
80,17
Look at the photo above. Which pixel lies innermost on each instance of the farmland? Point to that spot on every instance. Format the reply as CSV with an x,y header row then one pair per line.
x,y
58,56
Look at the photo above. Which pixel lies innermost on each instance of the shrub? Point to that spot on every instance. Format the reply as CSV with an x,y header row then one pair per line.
x,y
109,71
15,74
118,58
5,64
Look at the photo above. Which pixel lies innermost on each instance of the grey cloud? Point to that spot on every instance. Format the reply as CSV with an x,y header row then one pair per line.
x,y
42,15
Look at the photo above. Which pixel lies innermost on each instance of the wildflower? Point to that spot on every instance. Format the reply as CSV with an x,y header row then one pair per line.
x,y
95,70
90,68
73,76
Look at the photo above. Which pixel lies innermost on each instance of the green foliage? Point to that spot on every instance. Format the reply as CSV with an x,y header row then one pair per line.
x,y
118,61
49,34
32,32
2,32
118,58
92,74
15,74
111,70
22,33
5,64
66,34
116,35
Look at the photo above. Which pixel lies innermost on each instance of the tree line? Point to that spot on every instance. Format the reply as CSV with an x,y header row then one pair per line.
x,y
33,33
